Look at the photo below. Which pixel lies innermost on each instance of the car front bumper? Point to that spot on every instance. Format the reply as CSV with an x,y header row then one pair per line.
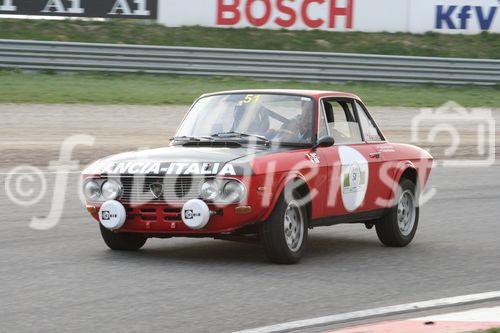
x,y
166,219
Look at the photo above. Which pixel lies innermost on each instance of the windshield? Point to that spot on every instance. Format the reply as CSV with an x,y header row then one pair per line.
x,y
277,118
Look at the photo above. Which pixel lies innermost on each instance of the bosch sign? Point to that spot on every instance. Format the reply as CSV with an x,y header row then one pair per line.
x,y
311,14
455,17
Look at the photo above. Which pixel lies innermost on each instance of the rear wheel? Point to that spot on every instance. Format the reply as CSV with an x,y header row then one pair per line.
x,y
284,234
398,227
122,241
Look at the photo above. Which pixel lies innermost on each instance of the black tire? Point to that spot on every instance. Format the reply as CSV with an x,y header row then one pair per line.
x,y
388,228
272,231
122,241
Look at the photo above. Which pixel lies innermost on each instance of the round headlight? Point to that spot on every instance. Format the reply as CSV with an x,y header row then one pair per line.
x,y
111,190
234,191
92,190
209,190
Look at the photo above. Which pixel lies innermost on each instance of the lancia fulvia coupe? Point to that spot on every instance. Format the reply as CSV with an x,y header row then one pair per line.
x,y
264,166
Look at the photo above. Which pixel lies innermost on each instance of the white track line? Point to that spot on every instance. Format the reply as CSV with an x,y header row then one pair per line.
x,y
384,311
482,315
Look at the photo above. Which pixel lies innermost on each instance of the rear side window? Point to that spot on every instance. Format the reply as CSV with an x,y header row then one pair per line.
x,y
341,121
370,131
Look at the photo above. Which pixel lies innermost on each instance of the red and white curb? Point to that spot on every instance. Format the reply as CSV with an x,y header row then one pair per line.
x,y
376,312
456,322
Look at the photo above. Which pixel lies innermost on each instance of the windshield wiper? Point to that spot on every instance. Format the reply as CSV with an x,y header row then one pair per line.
x,y
192,138
245,135
185,137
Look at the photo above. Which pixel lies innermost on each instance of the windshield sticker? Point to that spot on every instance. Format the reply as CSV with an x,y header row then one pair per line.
x,y
159,168
354,178
250,99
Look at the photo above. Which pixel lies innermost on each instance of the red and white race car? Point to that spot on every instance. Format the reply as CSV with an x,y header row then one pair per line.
x,y
262,165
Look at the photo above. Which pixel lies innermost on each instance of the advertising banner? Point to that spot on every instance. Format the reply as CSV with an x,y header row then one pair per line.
x,y
415,16
143,9
454,17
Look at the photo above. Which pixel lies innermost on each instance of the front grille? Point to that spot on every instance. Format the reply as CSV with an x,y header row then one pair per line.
x,y
154,214
172,189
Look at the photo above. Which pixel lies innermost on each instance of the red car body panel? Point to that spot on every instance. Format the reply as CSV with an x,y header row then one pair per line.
x,y
273,171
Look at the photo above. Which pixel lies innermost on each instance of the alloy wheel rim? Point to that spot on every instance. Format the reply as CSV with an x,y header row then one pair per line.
x,y
406,213
293,226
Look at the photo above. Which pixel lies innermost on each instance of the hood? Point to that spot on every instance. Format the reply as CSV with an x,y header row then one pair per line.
x,y
174,160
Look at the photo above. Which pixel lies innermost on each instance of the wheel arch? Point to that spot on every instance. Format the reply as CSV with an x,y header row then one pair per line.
x,y
405,170
298,182
410,173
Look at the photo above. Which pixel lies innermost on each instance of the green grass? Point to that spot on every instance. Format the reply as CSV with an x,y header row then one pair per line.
x,y
491,330
485,45
16,87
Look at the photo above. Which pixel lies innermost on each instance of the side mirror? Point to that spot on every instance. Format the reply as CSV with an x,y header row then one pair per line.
x,y
326,141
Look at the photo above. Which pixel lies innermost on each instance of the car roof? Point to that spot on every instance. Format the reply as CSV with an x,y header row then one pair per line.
x,y
301,92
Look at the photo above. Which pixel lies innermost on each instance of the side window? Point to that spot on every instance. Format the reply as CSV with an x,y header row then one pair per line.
x,y
370,131
341,121
322,130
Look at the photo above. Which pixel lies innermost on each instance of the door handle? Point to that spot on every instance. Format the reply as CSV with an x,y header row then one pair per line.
x,y
375,155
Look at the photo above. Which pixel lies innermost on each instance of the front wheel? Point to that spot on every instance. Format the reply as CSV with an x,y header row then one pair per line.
x,y
122,241
398,227
284,234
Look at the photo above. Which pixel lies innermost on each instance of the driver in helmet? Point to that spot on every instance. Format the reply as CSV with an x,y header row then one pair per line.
x,y
304,124
298,129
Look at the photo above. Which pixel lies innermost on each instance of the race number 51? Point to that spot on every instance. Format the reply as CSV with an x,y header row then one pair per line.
x,y
251,99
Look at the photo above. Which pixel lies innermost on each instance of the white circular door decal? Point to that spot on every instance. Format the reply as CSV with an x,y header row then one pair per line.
x,y
354,177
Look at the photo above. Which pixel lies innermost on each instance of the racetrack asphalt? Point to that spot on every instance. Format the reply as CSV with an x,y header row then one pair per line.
x,y
65,279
